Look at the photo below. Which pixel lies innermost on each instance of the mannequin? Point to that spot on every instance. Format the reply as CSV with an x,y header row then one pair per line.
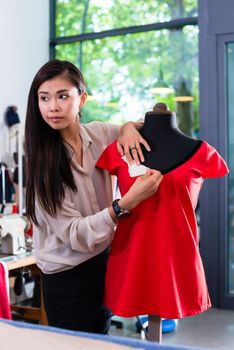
x,y
161,132
154,266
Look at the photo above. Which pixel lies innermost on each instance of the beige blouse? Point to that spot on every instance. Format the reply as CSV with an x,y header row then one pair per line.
x,y
83,227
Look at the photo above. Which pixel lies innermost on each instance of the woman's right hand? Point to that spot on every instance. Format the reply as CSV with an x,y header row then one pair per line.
x,y
144,186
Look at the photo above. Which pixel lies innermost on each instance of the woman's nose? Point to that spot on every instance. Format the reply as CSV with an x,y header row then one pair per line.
x,y
54,106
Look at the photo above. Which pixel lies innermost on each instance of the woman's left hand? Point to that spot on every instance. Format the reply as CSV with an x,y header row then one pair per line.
x,y
130,141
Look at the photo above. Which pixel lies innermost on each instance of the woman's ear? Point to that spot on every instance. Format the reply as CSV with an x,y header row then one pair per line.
x,y
83,99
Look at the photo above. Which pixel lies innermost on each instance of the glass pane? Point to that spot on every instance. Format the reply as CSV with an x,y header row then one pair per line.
x,y
230,114
83,16
120,72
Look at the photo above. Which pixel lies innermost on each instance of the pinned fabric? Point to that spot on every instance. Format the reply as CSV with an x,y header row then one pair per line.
x,y
5,310
134,169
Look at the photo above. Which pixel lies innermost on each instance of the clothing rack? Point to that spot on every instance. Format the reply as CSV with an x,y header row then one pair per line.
x,y
3,173
19,142
20,166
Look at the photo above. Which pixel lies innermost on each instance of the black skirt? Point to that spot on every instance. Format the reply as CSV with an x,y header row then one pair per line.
x,y
73,298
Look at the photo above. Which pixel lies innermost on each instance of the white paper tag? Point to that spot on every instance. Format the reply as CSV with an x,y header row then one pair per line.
x,y
134,169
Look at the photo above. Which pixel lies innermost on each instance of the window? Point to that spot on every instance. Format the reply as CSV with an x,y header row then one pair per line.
x,y
230,139
124,48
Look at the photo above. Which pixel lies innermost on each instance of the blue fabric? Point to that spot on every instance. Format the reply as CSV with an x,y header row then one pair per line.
x,y
12,116
167,324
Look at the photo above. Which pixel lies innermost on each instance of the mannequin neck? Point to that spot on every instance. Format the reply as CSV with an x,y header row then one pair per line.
x,y
169,146
156,121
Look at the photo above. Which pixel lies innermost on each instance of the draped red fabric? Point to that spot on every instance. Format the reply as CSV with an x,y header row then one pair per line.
x,y
5,311
154,266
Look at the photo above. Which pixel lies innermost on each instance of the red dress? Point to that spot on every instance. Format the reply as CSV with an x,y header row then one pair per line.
x,y
154,265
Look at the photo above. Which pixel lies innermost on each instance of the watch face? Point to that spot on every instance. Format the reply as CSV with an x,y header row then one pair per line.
x,y
124,214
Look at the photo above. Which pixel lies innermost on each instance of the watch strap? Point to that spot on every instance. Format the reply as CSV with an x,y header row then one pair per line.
x,y
120,212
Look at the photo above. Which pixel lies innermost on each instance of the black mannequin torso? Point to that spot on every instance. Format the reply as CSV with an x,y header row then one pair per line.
x,y
169,146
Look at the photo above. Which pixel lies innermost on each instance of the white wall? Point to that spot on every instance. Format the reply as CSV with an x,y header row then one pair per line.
x,y
24,47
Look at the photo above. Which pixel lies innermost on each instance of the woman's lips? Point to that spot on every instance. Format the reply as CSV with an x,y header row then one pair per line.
x,y
55,119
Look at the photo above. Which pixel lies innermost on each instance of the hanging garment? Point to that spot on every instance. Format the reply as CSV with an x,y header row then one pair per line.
x,y
5,311
9,187
154,265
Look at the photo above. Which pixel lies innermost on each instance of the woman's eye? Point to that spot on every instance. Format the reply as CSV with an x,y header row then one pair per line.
x,y
44,98
63,97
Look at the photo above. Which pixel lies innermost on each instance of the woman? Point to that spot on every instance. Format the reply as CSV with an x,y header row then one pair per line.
x,y
69,199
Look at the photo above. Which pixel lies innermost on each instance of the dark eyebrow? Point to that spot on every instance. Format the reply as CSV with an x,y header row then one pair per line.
x,y
63,90
57,92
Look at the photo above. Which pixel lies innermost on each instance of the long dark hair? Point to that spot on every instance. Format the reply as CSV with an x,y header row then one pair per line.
x,y
48,162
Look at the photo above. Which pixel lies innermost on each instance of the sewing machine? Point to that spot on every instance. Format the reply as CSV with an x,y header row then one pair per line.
x,y
12,234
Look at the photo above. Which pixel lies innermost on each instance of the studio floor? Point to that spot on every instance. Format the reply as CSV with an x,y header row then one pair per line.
x,y
212,329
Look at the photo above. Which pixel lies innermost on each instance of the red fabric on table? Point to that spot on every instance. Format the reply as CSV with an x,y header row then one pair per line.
x,y
5,310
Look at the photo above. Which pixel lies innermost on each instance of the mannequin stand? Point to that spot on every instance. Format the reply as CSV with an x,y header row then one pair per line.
x,y
154,328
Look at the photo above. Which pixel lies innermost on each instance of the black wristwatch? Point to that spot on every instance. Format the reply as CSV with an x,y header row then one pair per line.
x,y
119,212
